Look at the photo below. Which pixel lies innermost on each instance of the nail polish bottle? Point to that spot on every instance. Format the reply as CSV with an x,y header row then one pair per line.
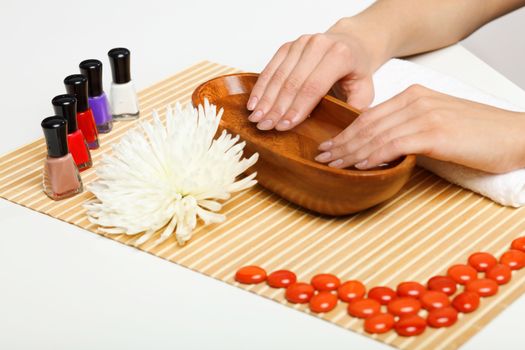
x,y
124,102
76,85
97,100
61,179
65,106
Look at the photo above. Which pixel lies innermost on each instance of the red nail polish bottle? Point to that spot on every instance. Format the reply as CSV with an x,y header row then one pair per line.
x,y
76,85
66,106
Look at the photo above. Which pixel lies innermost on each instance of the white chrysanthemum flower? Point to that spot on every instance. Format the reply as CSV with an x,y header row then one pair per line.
x,y
168,176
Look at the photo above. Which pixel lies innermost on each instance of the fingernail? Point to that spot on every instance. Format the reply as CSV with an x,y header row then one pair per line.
x,y
265,125
362,164
336,163
323,157
296,119
325,146
255,116
252,102
283,125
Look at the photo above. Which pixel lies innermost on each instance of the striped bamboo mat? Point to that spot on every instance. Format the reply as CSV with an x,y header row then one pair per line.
x,y
428,226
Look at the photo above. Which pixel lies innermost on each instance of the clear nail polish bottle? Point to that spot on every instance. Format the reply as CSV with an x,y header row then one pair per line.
x,y
98,102
61,179
123,97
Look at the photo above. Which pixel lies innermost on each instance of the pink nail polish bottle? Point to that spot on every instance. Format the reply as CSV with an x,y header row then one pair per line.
x,y
61,179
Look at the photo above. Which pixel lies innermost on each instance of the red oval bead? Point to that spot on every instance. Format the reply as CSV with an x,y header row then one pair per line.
x,y
443,284
410,325
323,302
299,293
410,289
380,323
325,282
482,261
515,259
382,294
404,306
351,290
484,287
462,273
466,302
443,317
364,308
433,299
518,244
281,279
250,275
499,273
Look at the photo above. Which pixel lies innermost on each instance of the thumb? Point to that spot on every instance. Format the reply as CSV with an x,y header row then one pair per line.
x,y
360,93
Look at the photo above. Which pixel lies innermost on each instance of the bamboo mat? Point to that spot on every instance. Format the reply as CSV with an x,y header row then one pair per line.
x,y
429,225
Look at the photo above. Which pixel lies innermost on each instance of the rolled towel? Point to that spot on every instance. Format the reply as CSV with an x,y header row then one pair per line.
x,y
397,75
506,189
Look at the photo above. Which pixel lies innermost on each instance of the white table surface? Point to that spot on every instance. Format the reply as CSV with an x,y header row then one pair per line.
x,y
65,288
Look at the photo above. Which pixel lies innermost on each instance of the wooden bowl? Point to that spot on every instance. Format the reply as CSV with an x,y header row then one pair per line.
x,y
286,164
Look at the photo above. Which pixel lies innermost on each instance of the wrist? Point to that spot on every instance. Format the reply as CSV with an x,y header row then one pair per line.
x,y
511,143
373,40
521,139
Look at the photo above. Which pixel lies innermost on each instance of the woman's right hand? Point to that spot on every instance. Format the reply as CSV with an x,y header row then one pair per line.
x,y
304,70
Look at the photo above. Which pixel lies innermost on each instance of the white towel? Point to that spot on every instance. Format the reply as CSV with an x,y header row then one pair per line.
x,y
396,75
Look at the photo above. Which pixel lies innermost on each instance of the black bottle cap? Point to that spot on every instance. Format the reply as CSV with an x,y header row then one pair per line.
x,y
119,59
65,106
76,85
56,137
92,70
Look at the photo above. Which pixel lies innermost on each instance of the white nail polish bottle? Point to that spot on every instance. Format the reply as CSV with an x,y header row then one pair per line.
x,y
123,97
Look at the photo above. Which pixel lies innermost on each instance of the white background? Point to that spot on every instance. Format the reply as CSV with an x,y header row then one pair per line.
x,y
499,44
64,288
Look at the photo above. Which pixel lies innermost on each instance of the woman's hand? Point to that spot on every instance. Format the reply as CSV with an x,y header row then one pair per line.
x,y
423,121
303,71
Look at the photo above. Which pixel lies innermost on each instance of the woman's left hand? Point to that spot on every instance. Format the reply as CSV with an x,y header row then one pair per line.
x,y
423,121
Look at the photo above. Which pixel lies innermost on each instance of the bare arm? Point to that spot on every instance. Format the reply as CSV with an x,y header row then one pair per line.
x,y
396,28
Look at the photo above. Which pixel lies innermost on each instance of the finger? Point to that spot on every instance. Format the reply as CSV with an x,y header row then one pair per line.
x,y
347,155
421,143
312,54
358,134
278,78
328,71
266,74
361,93
388,107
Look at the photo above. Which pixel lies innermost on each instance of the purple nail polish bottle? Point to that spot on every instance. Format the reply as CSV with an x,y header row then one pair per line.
x,y
98,102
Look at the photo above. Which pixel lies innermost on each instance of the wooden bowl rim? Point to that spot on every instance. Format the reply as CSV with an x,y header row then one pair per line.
x,y
404,166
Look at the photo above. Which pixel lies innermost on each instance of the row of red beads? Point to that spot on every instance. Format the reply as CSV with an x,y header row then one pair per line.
x,y
384,308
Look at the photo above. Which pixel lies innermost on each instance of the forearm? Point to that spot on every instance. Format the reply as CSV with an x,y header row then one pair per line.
x,y
396,28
